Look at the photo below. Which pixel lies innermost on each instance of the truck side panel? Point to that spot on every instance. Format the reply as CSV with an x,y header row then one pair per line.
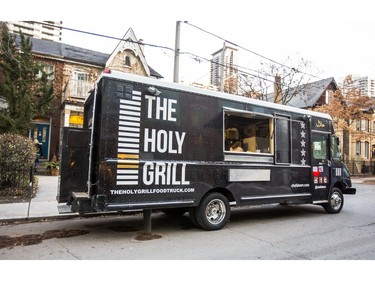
x,y
168,150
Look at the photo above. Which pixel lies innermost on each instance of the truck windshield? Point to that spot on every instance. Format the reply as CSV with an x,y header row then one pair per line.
x,y
335,150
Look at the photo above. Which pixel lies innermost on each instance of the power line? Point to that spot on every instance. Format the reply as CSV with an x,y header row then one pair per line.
x,y
238,68
250,51
224,65
173,50
188,53
146,44
110,37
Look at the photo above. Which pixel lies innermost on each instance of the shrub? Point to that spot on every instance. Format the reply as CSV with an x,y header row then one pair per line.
x,y
17,156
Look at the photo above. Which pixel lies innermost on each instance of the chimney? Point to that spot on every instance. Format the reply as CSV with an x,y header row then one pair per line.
x,y
277,90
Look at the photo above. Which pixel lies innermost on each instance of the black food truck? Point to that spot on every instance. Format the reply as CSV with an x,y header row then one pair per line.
x,y
148,144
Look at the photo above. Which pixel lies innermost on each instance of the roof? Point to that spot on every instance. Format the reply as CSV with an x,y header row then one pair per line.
x,y
67,52
130,42
309,93
73,53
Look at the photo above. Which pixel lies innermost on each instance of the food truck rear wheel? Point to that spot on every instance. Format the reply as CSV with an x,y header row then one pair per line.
x,y
335,201
213,212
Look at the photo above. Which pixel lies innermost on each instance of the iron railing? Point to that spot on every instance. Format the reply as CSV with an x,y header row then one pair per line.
x,y
361,167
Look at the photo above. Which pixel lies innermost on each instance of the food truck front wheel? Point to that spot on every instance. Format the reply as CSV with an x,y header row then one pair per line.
x,y
335,201
213,212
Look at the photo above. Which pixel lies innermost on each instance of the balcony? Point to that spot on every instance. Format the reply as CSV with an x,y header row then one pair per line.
x,y
78,89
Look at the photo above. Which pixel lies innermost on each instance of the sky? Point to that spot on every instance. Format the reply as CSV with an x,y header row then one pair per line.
x,y
337,38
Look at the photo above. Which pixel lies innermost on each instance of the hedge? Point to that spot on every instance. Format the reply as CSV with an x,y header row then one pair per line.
x,y
17,157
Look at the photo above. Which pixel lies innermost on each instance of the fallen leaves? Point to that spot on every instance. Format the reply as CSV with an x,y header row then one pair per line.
x,y
32,239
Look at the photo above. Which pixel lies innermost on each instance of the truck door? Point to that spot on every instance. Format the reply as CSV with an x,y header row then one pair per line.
x,y
321,166
74,162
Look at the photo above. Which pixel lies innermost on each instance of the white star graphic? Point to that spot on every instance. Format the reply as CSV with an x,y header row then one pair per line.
x,y
303,143
303,125
303,134
303,161
303,152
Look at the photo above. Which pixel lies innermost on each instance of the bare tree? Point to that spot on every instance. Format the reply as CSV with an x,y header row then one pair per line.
x,y
277,82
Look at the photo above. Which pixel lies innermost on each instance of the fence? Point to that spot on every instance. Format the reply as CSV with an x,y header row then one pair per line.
x,y
358,167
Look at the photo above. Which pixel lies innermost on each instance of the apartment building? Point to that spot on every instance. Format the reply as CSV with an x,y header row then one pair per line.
x,y
46,30
224,70
364,83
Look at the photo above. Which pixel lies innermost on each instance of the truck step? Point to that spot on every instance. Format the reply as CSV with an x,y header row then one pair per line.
x,y
64,209
80,195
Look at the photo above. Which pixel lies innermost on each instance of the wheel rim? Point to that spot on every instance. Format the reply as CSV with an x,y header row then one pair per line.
x,y
215,211
336,200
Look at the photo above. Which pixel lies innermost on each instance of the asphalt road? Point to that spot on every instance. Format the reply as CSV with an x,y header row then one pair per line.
x,y
273,232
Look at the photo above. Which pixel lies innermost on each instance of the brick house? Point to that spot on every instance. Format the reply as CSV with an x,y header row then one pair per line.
x,y
75,71
358,144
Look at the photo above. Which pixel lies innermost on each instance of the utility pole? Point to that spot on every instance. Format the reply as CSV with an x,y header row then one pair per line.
x,y
222,68
177,53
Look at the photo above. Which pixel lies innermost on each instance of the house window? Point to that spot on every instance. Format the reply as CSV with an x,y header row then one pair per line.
x,y
80,85
49,69
127,61
367,149
367,125
329,94
358,125
358,148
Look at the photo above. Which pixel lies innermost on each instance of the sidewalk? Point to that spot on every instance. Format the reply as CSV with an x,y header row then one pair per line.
x,y
362,179
43,205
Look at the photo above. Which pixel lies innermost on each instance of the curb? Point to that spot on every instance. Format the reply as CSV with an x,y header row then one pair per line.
x,y
68,216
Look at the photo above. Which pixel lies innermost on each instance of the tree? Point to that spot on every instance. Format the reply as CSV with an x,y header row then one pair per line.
x,y
346,106
25,85
277,82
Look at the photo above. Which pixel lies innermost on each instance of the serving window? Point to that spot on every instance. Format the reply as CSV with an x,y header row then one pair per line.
x,y
247,132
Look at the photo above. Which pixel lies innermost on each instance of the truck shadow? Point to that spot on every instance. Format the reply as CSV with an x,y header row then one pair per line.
x,y
162,223
274,212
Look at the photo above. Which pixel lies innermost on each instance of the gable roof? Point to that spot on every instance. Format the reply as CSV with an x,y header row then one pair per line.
x,y
308,94
65,51
130,42
311,93
73,53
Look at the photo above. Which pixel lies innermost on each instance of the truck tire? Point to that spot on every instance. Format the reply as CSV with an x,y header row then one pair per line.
x,y
335,201
213,212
